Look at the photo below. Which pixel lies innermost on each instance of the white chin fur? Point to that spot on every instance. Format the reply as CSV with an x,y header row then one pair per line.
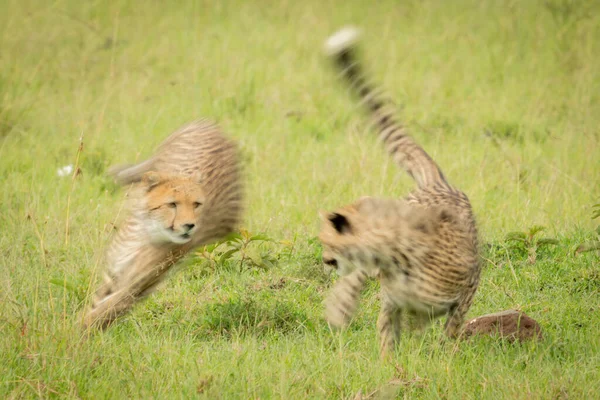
x,y
158,234
343,39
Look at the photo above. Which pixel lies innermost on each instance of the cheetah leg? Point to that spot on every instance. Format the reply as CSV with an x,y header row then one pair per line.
x,y
389,325
342,302
105,290
419,321
456,314
120,299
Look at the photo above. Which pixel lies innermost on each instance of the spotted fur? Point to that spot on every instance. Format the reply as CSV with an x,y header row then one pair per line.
x,y
188,194
423,248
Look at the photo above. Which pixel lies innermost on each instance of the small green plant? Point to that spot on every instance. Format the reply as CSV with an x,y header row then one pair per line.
x,y
594,244
596,211
257,317
529,242
75,284
238,249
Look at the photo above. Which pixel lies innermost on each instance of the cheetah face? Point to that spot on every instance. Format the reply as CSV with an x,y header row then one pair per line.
x,y
368,233
174,207
341,243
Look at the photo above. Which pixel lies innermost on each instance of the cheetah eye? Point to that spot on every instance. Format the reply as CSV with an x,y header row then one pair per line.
x,y
197,204
172,204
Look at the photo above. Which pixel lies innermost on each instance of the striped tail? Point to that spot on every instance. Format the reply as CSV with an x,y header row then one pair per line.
x,y
127,174
342,47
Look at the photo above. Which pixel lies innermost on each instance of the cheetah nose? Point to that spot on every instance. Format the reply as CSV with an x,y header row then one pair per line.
x,y
188,227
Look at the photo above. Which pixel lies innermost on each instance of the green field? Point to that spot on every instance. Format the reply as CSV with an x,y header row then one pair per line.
x,y
505,95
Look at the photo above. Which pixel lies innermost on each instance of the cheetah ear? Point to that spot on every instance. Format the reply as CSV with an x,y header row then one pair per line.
x,y
151,179
340,223
366,204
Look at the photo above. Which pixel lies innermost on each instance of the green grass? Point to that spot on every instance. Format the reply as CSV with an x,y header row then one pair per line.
x,y
504,94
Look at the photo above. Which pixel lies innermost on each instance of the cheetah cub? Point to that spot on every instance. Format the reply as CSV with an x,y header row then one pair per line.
x,y
423,247
187,194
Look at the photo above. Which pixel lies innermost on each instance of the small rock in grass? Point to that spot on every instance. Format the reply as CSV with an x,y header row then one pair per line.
x,y
510,324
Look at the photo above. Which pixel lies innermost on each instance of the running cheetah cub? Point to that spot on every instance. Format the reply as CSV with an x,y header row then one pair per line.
x,y
423,248
188,194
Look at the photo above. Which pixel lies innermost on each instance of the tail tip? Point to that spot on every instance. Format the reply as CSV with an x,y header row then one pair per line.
x,y
343,39
119,175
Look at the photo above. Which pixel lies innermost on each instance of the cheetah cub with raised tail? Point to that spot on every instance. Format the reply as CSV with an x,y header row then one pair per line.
x,y
423,248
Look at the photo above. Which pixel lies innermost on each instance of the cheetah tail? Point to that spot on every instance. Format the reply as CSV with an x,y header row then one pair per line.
x,y
342,48
127,173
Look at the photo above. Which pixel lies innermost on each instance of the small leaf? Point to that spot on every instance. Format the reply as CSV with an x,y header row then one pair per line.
x,y
516,236
588,246
544,241
534,230
227,255
245,234
67,285
237,245
263,238
268,263
211,247
231,237
596,212
254,257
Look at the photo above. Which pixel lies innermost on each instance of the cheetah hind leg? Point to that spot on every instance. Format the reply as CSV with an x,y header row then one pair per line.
x,y
389,325
121,298
418,322
456,313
